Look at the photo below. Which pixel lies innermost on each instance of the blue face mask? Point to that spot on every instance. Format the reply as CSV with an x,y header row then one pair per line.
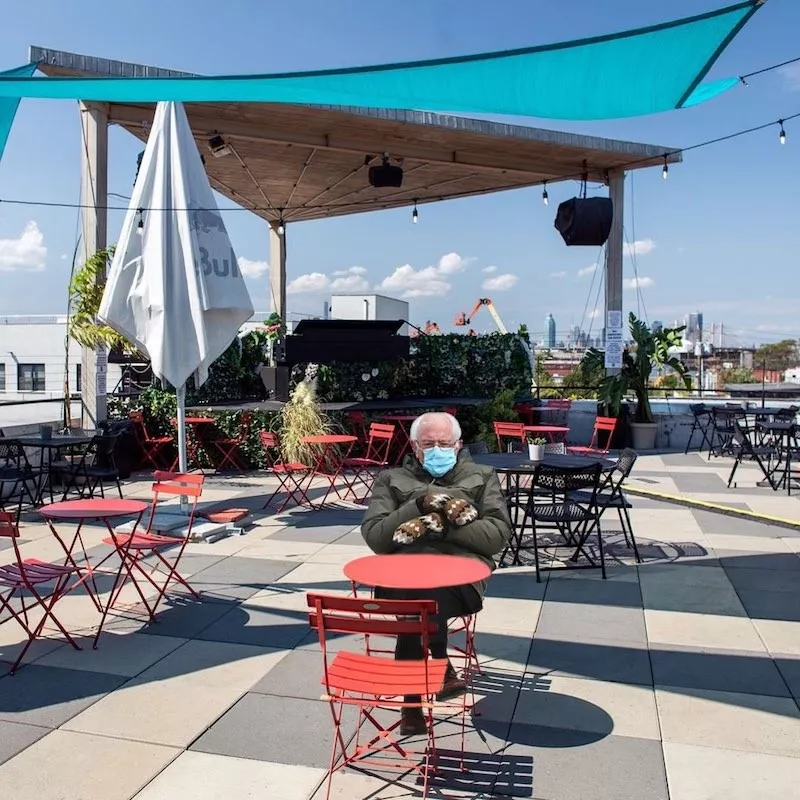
x,y
438,461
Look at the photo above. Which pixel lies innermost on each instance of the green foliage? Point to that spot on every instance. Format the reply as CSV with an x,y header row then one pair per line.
x,y
735,375
778,355
85,294
499,409
649,350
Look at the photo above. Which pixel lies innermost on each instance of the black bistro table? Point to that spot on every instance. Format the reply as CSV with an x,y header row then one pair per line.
x,y
47,447
513,468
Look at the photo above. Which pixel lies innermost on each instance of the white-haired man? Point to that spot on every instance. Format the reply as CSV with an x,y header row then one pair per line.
x,y
440,501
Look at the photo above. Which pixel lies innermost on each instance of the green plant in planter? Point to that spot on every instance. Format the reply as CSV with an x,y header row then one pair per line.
x,y
537,440
301,417
650,349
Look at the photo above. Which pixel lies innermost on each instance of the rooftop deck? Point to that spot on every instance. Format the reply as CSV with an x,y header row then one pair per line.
x,y
678,678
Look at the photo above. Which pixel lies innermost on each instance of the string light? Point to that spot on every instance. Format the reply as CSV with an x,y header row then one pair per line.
x,y
782,134
281,224
140,223
665,171
545,196
415,214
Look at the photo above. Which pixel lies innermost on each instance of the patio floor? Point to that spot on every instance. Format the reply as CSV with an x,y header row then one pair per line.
x,y
678,678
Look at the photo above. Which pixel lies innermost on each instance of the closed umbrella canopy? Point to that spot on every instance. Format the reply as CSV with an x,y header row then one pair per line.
x,y
174,288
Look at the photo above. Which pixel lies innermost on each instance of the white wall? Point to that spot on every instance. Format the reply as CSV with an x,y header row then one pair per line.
x,y
369,306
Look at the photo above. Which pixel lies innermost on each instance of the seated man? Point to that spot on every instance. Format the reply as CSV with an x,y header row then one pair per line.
x,y
439,501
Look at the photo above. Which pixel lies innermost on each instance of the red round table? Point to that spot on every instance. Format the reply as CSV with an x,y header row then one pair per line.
x,y
95,509
329,460
416,571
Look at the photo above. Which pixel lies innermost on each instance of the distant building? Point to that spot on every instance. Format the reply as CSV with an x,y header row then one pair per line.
x,y
694,328
549,331
369,307
657,326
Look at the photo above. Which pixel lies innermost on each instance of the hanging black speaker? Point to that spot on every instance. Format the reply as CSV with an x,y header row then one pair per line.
x,y
585,220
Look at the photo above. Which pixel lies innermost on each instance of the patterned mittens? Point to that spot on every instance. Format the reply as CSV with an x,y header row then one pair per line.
x,y
457,512
410,531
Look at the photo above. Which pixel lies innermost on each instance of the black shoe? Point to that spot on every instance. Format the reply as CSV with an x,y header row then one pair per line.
x,y
412,722
453,685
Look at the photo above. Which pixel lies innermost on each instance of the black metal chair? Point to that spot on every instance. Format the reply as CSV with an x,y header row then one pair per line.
x,y
18,479
550,507
95,467
611,494
743,448
703,424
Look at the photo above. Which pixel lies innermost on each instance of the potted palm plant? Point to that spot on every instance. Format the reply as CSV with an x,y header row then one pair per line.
x,y
649,349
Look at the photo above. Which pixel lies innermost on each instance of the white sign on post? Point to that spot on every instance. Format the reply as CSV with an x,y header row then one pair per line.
x,y
614,320
613,355
101,368
613,359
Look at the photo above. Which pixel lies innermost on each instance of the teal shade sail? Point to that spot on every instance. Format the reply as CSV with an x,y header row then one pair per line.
x,y
9,105
633,73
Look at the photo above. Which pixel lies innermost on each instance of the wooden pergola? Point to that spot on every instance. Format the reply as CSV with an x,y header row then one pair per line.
x,y
292,163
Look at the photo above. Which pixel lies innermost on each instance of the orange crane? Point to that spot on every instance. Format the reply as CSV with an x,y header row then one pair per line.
x,y
430,329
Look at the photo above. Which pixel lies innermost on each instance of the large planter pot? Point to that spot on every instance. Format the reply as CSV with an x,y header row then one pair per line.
x,y
643,435
535,452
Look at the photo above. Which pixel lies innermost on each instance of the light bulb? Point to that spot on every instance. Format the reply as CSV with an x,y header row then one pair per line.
x,y
665,171
281,228
140,224
782,134
415,214
545,196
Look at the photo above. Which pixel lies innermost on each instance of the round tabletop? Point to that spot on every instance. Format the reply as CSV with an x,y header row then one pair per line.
x,y
56,441
516,462
333,438
94,508
416,571
546,429
199,420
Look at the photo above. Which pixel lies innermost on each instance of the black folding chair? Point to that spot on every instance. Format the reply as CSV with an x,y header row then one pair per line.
x,y
550,507
743,448
94,467
18,479
611,495
702,424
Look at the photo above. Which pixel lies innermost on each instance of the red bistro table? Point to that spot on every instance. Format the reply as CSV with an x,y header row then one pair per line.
x,y
332,449
194,444
415,571
553,433
403,422
95,510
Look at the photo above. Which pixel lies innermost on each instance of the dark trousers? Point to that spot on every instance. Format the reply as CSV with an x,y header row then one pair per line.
x,y
451,602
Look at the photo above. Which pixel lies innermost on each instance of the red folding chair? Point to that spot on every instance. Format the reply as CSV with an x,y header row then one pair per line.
x,y
291,476
229,447
369,682
152,446
357,425
160,572
607,424
22,578
363,470
509,430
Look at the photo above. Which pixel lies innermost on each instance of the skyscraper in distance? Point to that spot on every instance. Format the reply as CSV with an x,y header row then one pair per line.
x,y
549,331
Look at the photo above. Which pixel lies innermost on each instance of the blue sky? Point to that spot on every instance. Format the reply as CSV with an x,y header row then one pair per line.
x,y
721,235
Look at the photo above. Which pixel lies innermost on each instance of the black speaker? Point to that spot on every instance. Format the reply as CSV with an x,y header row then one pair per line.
x,y
276,382
386,175
585,220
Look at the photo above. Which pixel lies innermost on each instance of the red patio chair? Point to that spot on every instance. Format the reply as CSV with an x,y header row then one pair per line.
x,y
607,424
363,470
161,571
357,425
22,578
560,417
369,682
229,447
152,446
509,430
290,476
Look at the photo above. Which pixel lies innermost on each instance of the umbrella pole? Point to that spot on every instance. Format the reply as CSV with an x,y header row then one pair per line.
x,y
181,420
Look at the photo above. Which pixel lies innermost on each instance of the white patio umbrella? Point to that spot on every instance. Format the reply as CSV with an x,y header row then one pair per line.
x,y
174,288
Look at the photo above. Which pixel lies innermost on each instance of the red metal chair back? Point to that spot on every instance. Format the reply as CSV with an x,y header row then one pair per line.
x,y
508,430
176,484
607,424
8,525
271,446
244,427
139,426
380,440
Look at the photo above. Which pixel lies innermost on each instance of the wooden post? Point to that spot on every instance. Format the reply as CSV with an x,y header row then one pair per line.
x,y
94,225
614,251
277,269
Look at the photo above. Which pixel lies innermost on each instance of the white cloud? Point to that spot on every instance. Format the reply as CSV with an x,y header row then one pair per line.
x,y
26,252
252,269
560,274
595,313
427,282
310,283
641,247
791,76
489,270
350,280
590,270
501,283
637,283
